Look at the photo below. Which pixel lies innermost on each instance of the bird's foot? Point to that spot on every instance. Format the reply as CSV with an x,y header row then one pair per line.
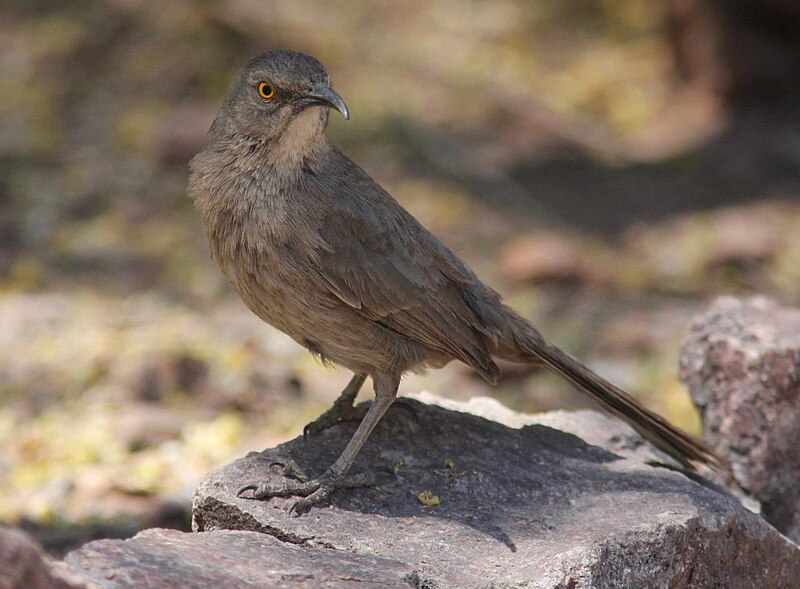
x,y
336,415
333,416
312,491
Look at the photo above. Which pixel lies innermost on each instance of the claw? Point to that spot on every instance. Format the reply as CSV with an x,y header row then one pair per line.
x,y
316,490
313,428
311,492
287,471
250,487
337,415
342,409
317,496
330,418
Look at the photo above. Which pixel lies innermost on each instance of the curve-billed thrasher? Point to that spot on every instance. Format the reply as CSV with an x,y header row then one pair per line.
x,y
316,248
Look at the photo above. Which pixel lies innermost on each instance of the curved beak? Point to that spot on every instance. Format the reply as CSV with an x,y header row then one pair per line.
x,y
322,94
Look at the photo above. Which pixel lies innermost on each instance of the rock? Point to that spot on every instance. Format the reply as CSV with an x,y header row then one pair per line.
x,y
741,363
161,559
593,427
23,565
522,506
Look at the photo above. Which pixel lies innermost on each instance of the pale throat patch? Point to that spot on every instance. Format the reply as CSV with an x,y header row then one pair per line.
x,y
299,136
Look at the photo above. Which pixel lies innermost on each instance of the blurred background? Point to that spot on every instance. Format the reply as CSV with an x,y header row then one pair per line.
x,y
610,166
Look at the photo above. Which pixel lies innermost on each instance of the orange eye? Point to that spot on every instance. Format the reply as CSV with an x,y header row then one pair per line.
x,y
266,91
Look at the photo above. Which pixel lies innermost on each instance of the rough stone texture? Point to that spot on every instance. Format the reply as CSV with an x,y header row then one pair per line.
x,y
23,565
529,507
741,363
168,559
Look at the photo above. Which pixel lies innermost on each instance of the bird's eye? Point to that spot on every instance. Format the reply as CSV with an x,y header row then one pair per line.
x,y
265,90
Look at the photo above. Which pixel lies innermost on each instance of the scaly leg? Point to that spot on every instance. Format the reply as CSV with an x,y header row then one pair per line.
x,y
319,489
341,410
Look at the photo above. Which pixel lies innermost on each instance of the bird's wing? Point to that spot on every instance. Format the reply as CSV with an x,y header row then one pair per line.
x,y
381,261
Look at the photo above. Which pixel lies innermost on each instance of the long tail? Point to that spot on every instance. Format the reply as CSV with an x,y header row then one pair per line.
x,y
654,428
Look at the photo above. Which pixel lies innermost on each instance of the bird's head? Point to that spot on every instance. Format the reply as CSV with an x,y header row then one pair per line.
x,y
281,96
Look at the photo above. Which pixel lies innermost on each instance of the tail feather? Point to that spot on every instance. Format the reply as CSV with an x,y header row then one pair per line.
x,y
654,428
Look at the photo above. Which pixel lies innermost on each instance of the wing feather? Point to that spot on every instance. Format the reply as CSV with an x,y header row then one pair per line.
x,y
382,262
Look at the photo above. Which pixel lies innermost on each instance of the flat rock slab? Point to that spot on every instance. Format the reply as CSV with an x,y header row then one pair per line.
x,y
520,507
168,559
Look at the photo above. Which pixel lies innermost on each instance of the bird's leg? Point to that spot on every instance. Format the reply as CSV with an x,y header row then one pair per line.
x,y
341,410
319,489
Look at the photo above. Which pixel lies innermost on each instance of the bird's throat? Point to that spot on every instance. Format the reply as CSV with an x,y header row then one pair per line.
x,y
301,139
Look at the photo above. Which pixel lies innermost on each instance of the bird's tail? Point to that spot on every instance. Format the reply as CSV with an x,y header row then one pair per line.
x,y
654,428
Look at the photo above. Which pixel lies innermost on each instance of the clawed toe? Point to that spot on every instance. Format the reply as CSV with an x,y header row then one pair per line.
x,y
250,487
323,492
311,492
314,491
342,409
282,489
331,418
287,471
264,490
336,415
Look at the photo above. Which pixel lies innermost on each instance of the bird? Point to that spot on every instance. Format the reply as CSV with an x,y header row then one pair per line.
x,y
318,249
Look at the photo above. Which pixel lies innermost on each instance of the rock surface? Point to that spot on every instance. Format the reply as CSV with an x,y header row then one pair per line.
x,y
741,363
23,565
527,507
161,559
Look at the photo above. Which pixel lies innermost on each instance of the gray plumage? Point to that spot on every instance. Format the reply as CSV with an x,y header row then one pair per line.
x,y
316,248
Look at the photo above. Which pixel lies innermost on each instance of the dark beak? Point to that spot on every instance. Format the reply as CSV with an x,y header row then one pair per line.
x,y
324,95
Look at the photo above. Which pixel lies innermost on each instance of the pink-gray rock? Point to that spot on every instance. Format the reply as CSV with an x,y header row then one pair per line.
x,y
23,565
168,559
520,507
741,363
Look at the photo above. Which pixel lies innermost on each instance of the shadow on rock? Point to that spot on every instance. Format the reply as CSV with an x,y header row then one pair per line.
x,y
522,501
